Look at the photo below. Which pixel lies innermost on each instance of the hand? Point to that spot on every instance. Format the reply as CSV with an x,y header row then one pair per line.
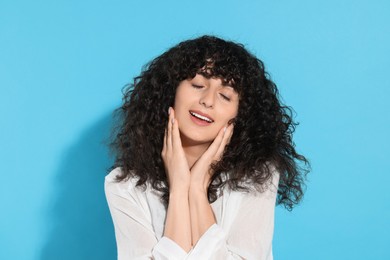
x,y
175,162
201,171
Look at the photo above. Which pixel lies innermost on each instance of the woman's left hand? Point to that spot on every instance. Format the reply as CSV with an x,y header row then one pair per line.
x,y
201,171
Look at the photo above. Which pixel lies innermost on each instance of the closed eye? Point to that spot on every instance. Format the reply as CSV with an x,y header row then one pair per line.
x,y
225,97
197,86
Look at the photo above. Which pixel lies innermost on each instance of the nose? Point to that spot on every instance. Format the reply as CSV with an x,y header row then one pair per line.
x,y
207,98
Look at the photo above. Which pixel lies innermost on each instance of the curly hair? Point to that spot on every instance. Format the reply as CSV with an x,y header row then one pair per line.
x,y
263,127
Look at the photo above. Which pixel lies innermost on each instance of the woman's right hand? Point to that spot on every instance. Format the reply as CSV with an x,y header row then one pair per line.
x,y
176,165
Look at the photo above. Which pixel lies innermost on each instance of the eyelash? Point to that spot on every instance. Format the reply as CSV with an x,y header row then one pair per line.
x,y
200,87
225,97
197,86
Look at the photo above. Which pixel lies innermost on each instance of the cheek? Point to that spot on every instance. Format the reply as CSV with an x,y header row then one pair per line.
x,y
229,116
234,111
177,95
181,98
177,103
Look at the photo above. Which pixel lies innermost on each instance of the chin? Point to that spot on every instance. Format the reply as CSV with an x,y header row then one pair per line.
x,y
190,140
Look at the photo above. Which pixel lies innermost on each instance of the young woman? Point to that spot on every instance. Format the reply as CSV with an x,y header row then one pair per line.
x,y
203,151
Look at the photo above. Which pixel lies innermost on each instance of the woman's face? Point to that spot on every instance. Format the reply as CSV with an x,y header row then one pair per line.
x,y
203,107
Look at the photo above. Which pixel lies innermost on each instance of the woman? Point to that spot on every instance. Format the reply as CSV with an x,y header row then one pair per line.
x,y
203,151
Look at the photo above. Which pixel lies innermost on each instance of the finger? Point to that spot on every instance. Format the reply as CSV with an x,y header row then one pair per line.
x,y
169,126
213,148
230,134
165,141
176,140
226,139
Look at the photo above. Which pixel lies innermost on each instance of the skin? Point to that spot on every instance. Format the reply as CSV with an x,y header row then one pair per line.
x,y
188,152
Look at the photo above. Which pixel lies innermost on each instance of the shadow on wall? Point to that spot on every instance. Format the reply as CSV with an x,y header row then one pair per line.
x,y
81,223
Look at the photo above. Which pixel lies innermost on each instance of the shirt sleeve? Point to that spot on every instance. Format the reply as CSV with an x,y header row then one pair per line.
x,y
250,235
134,233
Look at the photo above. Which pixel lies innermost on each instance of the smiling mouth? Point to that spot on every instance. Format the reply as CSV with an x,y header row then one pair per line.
x,y
204,118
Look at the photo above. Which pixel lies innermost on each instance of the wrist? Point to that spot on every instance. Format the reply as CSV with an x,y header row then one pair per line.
x,y
199,185
178,192
197,191
179,186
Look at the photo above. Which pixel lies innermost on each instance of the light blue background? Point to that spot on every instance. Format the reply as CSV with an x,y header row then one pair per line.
x,y
63,65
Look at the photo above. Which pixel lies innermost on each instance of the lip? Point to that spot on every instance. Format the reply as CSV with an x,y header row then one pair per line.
x,y
200,121
202,114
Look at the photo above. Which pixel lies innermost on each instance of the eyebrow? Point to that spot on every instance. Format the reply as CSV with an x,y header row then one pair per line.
x,y
228,85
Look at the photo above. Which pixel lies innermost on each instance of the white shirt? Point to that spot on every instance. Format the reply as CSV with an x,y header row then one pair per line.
x,y
243,230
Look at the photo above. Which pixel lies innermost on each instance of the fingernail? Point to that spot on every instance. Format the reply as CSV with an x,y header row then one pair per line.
x,y
224,130
169,110
173,121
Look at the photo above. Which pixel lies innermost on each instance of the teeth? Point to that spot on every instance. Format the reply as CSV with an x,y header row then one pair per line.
x,y
201,117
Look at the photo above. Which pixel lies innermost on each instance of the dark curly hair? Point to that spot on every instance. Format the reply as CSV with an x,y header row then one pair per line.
x,y
262,138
